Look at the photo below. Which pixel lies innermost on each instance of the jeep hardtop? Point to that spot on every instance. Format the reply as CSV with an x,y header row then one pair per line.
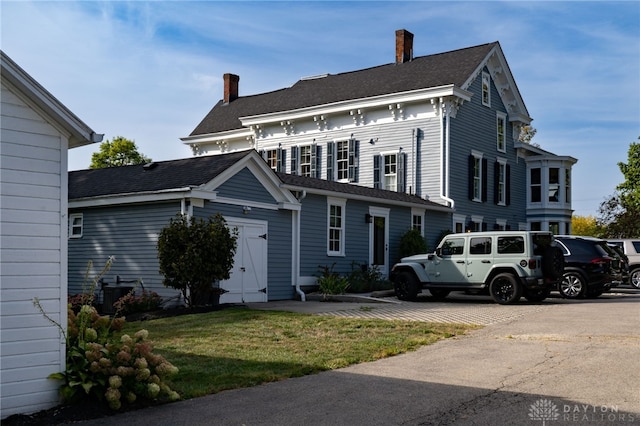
x,y
504,264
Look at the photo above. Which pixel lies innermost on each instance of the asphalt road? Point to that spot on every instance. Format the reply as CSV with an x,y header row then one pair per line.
x,y
555,363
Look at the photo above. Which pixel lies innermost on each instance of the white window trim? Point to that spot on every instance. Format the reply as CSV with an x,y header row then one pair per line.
x,y
459,219
299,159
418,212
72,218
503,196
478,156
486,77
477,219
336,162
383,164
501,116
502,223
342,203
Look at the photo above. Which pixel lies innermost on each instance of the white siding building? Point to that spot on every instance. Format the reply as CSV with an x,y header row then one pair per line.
x,y
36,132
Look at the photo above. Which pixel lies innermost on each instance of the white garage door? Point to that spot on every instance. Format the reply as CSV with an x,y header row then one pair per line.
x,y
248,282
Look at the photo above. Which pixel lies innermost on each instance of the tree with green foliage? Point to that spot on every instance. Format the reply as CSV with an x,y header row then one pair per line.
x,y
620,213
195,254
117,152
586,225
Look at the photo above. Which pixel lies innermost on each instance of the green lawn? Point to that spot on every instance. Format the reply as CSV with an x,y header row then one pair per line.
x,y
240,347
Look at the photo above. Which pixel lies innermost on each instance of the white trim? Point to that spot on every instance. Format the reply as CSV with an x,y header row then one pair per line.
x,y
342,203
71,225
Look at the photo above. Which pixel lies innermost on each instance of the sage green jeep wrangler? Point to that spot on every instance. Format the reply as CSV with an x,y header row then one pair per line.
x,y
504,264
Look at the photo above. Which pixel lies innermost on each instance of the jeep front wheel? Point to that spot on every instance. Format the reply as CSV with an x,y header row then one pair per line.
x,y
505,289
406,286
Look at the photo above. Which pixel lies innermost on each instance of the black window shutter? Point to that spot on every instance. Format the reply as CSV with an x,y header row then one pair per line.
x,y
484,179
312,166
353,160
472,164
317,150
402,171
330,148
496,182
376,171
294,160
263,154
507,185
484,226
280,156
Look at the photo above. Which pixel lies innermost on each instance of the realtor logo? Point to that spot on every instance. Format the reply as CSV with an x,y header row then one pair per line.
x,y
545,410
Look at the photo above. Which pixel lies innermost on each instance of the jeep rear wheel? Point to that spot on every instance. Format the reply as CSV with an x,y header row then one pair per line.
x,y
573,285
553,262
406,286
439,293
505,289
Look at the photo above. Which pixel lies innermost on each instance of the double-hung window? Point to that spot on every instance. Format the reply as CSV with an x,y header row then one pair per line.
x,y
342,160
486,89
417,216
554,184
335,228
502,182
304,160
477,177
536,185
501,129
567,185
274,158
76,225
389,171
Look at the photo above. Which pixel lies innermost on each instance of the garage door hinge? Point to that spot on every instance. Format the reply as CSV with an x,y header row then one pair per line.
x,y
263,236
263,290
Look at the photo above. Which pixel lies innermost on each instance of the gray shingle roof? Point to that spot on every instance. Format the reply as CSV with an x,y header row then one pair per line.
x,y
423,72
163,175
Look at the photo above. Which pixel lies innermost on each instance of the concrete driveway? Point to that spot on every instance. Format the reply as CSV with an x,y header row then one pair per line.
x,y
554,363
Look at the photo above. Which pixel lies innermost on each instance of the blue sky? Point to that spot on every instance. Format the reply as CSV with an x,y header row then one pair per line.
x,y
150,71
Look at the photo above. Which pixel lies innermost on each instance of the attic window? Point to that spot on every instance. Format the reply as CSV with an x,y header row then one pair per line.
x,y
486,89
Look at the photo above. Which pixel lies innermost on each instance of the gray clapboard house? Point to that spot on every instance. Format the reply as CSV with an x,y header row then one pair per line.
x,y
288,225
36,132
445,127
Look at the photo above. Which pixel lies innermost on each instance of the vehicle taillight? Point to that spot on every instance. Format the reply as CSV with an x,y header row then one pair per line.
x,y
601,260
533,263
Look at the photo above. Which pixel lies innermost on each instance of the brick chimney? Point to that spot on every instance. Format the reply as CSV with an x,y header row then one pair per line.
x,y
404,46
230,87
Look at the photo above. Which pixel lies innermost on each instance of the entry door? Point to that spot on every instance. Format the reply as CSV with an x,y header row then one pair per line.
x,y
248,281
379,239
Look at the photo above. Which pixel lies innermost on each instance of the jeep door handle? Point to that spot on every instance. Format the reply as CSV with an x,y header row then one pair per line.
x,y
459,261
486,261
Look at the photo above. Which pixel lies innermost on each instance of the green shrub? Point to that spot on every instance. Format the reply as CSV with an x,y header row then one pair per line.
x,y
194,254
330,282
365,278
145,302
412,242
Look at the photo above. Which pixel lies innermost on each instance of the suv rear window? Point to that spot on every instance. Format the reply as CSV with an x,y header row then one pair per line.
x,y
510,245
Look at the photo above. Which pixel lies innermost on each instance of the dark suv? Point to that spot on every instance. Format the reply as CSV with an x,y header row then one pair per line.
x,y
591,267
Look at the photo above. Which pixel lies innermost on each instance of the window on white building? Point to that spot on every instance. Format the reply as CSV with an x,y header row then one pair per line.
x,y
536,186
554,184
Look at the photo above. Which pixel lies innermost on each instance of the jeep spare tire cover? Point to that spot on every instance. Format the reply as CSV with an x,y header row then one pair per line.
x,y
553,262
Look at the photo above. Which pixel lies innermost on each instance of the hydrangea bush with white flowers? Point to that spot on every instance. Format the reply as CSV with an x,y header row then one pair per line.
x,y
104,367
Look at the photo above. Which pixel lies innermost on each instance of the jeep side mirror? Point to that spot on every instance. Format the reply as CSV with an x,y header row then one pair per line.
x,y
439,252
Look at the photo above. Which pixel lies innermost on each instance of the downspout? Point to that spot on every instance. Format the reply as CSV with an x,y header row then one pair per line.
x,y
296,249
445,150
414,136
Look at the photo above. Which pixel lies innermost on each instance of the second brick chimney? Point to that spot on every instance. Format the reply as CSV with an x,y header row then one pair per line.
x,y
404,46
230,87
